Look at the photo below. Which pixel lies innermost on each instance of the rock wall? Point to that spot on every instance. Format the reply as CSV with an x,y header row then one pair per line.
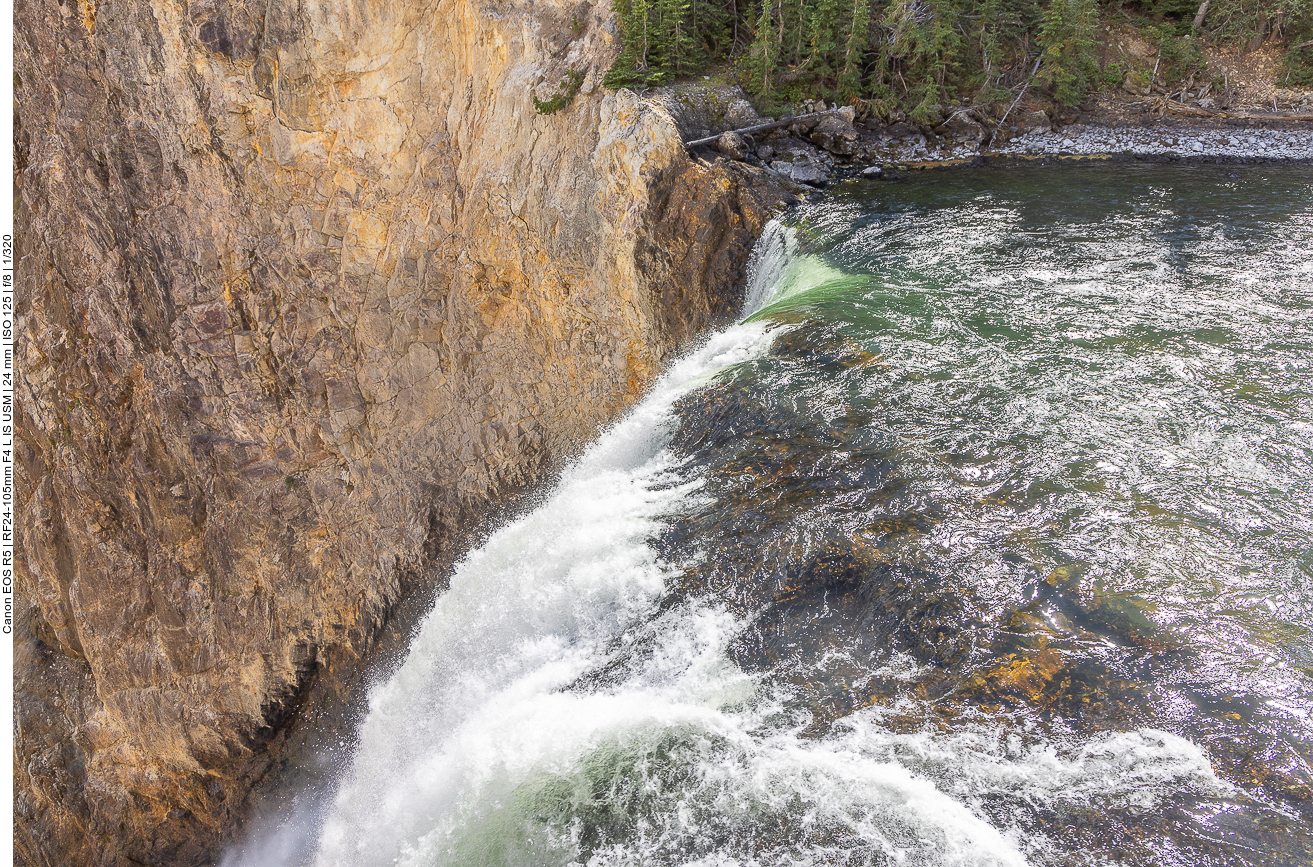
x,y
305,288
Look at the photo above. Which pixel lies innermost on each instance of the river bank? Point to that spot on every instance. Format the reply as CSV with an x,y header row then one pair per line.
x,y
829,143
1179,141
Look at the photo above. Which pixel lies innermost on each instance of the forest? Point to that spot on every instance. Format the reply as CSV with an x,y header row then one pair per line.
x,y
917,55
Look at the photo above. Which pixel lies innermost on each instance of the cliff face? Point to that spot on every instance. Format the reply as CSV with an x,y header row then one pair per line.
x,y
305,287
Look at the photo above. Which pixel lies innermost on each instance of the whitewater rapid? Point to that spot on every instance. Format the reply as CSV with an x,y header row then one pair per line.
x,y
551,712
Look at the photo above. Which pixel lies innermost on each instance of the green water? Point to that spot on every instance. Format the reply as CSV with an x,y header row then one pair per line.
x,y
1049,435
985,543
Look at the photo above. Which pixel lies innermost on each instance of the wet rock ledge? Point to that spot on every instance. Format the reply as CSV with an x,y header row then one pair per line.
x,y
305,293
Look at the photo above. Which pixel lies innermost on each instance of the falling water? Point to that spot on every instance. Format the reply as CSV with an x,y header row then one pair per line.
x,y
984,540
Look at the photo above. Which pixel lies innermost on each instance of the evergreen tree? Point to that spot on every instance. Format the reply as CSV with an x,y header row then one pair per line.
x,y
763,56
823,41
631,66
924,50
1066,37
918,55
672,43
854,50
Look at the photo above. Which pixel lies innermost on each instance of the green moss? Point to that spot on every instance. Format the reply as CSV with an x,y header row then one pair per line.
x,y
565,93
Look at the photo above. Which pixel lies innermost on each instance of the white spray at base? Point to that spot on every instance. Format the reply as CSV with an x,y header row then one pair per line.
x,y
478,751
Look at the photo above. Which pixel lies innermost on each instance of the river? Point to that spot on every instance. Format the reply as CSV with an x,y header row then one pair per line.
x,y
984,540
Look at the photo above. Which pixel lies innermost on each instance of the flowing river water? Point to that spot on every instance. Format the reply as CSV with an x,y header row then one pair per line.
x,y
986,539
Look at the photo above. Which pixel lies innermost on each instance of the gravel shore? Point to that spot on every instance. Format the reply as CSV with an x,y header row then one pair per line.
x,y
808,163
1230,144
1241,145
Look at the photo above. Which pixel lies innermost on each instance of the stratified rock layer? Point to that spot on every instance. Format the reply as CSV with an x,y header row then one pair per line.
x,y
305,288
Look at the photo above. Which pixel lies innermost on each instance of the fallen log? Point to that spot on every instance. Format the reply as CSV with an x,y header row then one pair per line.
x,y
763,127
1195,111
1190,110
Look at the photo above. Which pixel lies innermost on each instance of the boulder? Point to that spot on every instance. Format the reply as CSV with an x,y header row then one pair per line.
x,y
739,112
1037,121
733,145
1134,87
961,126
835,135
700,109
802,127
1008,131
802,172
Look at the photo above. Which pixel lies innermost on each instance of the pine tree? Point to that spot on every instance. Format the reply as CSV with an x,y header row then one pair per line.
x,y
763,55
1066,36
670,38
924,50
823,42
793,32
631,67
854,50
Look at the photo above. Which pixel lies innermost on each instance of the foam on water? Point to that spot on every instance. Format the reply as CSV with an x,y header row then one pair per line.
x,y
671,766
524,615
548,713
478,752
479,700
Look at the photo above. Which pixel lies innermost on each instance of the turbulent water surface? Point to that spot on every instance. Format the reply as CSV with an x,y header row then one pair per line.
x,y
984,541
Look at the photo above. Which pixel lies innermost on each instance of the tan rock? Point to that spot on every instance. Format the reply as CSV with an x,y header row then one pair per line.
x,y
305,288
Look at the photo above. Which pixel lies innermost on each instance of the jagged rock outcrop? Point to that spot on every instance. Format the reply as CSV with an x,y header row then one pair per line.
x,y
305,287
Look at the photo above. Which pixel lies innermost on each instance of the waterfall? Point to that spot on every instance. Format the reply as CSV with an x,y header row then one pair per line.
x,y
483,701
853,584
524,614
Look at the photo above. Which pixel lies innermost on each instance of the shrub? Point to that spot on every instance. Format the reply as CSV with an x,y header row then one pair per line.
x,y
565,92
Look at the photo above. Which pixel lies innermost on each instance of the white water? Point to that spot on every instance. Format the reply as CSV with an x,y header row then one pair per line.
x,y
478,751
